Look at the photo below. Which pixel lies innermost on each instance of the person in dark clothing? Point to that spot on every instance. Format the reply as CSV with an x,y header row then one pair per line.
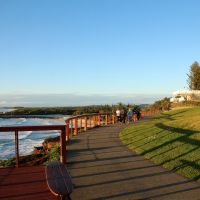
x,y
123,115
138,115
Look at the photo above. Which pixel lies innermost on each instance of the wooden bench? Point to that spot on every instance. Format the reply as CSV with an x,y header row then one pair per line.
x,y
59,180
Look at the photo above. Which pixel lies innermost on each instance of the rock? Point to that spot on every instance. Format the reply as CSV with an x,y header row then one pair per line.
x,y
38,150
50,142
40,154
31,160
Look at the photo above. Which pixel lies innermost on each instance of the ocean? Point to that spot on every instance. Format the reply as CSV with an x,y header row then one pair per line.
x,y
28,139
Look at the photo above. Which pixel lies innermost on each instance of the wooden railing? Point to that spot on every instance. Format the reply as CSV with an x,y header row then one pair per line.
x,y
73,126
81,123
17,129
150,113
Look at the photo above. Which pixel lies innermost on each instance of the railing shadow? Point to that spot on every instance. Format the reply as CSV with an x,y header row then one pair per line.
x,y
192,164
128,195
183,138
170,116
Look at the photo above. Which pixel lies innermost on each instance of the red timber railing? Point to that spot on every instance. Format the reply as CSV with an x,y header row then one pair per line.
x,y
73,126
150,113
77,124
17,129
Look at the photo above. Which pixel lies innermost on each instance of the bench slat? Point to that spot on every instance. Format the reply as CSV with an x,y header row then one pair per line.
x,y
58,179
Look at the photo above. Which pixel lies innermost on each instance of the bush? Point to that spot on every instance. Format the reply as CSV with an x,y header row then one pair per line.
x,y
7,163
54,154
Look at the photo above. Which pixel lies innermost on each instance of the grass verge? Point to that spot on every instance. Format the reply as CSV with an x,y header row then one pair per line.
x,y
171,139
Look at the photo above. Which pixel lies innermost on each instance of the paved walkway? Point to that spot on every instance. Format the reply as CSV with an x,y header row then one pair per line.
x,y
103,168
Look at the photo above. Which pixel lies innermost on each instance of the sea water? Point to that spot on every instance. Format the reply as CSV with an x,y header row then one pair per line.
x,y
27,139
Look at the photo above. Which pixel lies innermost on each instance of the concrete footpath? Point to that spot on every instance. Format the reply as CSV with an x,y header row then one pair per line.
x,y
103,168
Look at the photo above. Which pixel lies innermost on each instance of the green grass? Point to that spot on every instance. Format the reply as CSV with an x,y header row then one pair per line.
x,y
171,139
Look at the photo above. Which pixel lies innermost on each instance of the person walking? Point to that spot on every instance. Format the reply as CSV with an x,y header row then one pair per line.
x,y
130,115
118,114
123,115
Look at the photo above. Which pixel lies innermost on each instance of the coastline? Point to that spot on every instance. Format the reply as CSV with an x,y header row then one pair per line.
x,y
28,140
33,116
38,156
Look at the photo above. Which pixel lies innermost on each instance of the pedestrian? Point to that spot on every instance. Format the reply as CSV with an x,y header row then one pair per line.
x,y
125,115
134,117
122,115
138,114
118,114
130,115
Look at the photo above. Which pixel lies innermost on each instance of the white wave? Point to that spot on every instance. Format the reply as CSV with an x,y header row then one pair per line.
x,y
27,139
24,134
11,135
7,136
27,146
21,121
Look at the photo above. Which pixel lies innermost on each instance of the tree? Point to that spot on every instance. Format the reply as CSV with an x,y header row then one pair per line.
x,y
194,76
166,105
120,105
161,105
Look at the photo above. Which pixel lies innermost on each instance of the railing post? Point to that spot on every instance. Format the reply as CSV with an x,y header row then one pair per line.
x,y
76,126
106,120
63,146
17,148
85,128
71,126
80,124
67,130
95,121
113,119
99,120
90,121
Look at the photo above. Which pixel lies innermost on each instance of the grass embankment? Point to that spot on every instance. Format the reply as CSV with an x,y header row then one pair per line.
x,y
171,139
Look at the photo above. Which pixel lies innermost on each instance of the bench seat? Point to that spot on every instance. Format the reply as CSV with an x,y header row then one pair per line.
x,y
59,180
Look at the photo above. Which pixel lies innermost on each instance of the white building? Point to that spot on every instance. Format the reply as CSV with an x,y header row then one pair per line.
x,y
185,95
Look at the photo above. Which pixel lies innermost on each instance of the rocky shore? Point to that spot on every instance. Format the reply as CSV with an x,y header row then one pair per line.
x,y
40,155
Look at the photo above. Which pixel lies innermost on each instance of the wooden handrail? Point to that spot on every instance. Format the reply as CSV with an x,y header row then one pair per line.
x,y
72,123
31,128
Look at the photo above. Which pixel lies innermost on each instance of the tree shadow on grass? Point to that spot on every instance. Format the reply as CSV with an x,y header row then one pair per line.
x,y
183,138
169,116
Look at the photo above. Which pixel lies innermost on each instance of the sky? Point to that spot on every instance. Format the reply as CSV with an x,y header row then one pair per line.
x,y
81,52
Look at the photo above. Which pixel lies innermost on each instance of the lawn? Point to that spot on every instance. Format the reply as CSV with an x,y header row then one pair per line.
x,y
171,139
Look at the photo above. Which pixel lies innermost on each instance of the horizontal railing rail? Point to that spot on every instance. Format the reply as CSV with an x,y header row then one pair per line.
x,y
73,126
31,128
150,113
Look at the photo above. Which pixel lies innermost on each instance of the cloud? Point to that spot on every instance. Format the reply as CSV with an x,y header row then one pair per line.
x,y
76,99
2,103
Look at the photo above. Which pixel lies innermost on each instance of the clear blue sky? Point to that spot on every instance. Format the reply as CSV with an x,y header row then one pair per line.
x,y
104,47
